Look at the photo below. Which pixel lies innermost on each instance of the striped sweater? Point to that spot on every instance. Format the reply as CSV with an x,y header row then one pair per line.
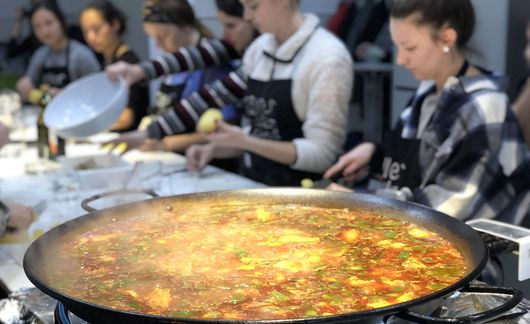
x,y
209,52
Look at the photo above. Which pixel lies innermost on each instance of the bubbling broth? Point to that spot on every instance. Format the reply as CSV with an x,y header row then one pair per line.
x,y
253,262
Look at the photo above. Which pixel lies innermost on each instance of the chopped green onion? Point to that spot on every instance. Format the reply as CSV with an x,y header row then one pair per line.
x,y
310,312
279,296
313,219
242,254
403,255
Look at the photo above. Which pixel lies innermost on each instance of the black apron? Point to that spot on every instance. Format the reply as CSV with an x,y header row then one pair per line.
x,y
56,77
269,112
401,166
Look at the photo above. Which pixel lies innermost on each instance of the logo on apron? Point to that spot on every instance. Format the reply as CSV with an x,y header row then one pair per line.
x,y
261,113
392,171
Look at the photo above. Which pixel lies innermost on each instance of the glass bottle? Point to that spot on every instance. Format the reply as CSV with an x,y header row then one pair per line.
x,y
41,98
49,144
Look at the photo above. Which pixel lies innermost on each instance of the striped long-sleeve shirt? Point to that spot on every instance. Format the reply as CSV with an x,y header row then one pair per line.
x,y
185,114
208,53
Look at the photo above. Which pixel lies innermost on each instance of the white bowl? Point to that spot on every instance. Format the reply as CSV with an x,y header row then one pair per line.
x,y
87,106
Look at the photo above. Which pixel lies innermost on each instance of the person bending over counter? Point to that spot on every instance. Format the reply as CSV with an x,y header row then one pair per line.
x,y
294,87
457,146
237,33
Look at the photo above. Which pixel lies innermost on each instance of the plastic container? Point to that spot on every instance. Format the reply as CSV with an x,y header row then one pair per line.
x,y
87,106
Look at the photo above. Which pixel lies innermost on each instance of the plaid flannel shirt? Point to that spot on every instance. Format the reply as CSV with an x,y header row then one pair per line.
x,y
473,158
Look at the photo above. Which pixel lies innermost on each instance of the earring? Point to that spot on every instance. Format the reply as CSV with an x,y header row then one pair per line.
x,y
446,49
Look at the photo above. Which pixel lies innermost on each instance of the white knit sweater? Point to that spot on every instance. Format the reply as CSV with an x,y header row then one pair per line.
x,y
322,75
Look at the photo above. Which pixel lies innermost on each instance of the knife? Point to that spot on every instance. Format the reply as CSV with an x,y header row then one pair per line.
x,y
38,209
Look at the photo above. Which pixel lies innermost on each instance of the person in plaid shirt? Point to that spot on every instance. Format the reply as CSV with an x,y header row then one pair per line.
x,y
457,147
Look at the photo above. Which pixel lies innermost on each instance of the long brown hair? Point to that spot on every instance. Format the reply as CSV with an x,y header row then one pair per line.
x,y
178,12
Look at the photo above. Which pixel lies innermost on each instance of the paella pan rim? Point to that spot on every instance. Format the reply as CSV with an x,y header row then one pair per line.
x,y
472,240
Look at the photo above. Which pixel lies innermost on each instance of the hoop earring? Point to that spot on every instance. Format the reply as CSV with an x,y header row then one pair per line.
x,y
446,49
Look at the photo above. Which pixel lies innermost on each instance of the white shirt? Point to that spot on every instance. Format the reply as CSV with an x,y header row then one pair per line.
x,y
322,75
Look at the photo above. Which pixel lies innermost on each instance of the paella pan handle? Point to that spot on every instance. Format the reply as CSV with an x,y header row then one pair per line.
x,y
61,314
516,297
85,203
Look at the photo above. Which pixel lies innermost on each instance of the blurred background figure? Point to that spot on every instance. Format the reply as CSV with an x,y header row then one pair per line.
x,y
59,60
103,25
363,26
20,46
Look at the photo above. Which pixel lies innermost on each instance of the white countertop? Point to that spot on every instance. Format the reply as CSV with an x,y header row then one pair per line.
x,y
159,171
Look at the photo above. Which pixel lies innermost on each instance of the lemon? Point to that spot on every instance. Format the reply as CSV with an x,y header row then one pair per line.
x,y
35,95
207,122
120,148
307,183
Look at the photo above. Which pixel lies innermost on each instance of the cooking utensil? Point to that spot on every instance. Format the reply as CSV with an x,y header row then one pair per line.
x,y
463,237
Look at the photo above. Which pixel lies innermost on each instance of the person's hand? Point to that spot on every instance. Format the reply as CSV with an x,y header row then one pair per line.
x,y
131,72
20,217
227,135
4,135
54,91
197,156
131,140
337,187
153,145
353,163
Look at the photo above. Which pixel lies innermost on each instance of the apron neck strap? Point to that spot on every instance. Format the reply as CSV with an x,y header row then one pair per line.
x,y
289,61
463,69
